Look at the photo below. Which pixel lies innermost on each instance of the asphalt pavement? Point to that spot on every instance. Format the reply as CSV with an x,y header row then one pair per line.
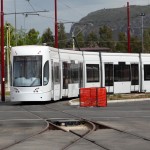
x,y
128,123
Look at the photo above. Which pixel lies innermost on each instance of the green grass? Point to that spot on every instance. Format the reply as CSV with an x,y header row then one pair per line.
x,y
128,96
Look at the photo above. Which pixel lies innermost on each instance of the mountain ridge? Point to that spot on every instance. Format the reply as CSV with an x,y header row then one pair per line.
x,y
116,19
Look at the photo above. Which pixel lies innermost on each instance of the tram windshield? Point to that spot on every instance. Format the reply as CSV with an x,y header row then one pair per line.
x,y
27,71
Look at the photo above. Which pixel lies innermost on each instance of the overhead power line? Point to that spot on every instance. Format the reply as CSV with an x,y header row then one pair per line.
x,y
25,12
31,5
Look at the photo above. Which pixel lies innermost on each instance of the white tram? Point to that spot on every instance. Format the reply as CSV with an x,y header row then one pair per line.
x,y
42,73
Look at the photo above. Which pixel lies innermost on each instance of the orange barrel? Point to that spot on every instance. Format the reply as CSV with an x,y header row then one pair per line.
x,y
101,97
93,97
85,97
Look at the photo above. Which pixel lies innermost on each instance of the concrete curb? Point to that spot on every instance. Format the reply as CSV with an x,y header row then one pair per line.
x,y
128,100
74,102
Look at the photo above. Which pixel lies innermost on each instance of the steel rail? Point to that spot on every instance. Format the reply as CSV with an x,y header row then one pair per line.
x,y
93,126
105,126
28,137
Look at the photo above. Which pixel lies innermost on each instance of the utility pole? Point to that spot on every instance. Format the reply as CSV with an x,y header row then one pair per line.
x,y
8,57
15,23
128,28
74,36
2,54
25,15
142,16
73,41
56,25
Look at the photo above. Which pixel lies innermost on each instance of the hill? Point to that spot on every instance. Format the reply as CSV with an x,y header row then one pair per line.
x,y
116,19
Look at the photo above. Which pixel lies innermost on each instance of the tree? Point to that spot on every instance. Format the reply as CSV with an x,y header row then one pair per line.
x,y
91,40
122,43
79,37
80,40
21,37
32,37
47,37
136,45
106,39
62,38
147,40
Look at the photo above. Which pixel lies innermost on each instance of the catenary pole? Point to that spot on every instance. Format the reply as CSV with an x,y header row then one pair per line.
x,y
142,16
128,30
8,57
2,54
56,26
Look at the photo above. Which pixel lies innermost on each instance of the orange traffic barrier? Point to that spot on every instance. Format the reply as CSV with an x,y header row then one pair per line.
x,y
85,97
93,97
101,97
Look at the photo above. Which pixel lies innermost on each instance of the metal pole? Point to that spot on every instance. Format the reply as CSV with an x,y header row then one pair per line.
x,y
73,41
56,26
15,23
128,14
2,55
8,52
142,16
142,36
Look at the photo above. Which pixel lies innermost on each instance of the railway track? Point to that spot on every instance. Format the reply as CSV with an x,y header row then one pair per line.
x,y
62,124
71,125
102,126
97,126
25,138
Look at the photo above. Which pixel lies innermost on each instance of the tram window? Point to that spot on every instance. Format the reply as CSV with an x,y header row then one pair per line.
x,y
27,71
56,72
66,75
92,72
135,74
46,73
122,72
109,77
146,72
10,74
74,73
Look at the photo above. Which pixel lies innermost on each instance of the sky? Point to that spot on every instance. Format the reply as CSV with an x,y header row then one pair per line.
x,y
68,11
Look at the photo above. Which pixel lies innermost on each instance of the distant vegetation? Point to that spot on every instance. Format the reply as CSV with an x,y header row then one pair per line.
x,y
108,29
116,20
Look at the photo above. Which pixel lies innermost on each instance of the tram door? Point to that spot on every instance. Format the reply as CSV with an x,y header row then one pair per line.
x,y
66,79
134,77
109,77
71,79
55,80
122,78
